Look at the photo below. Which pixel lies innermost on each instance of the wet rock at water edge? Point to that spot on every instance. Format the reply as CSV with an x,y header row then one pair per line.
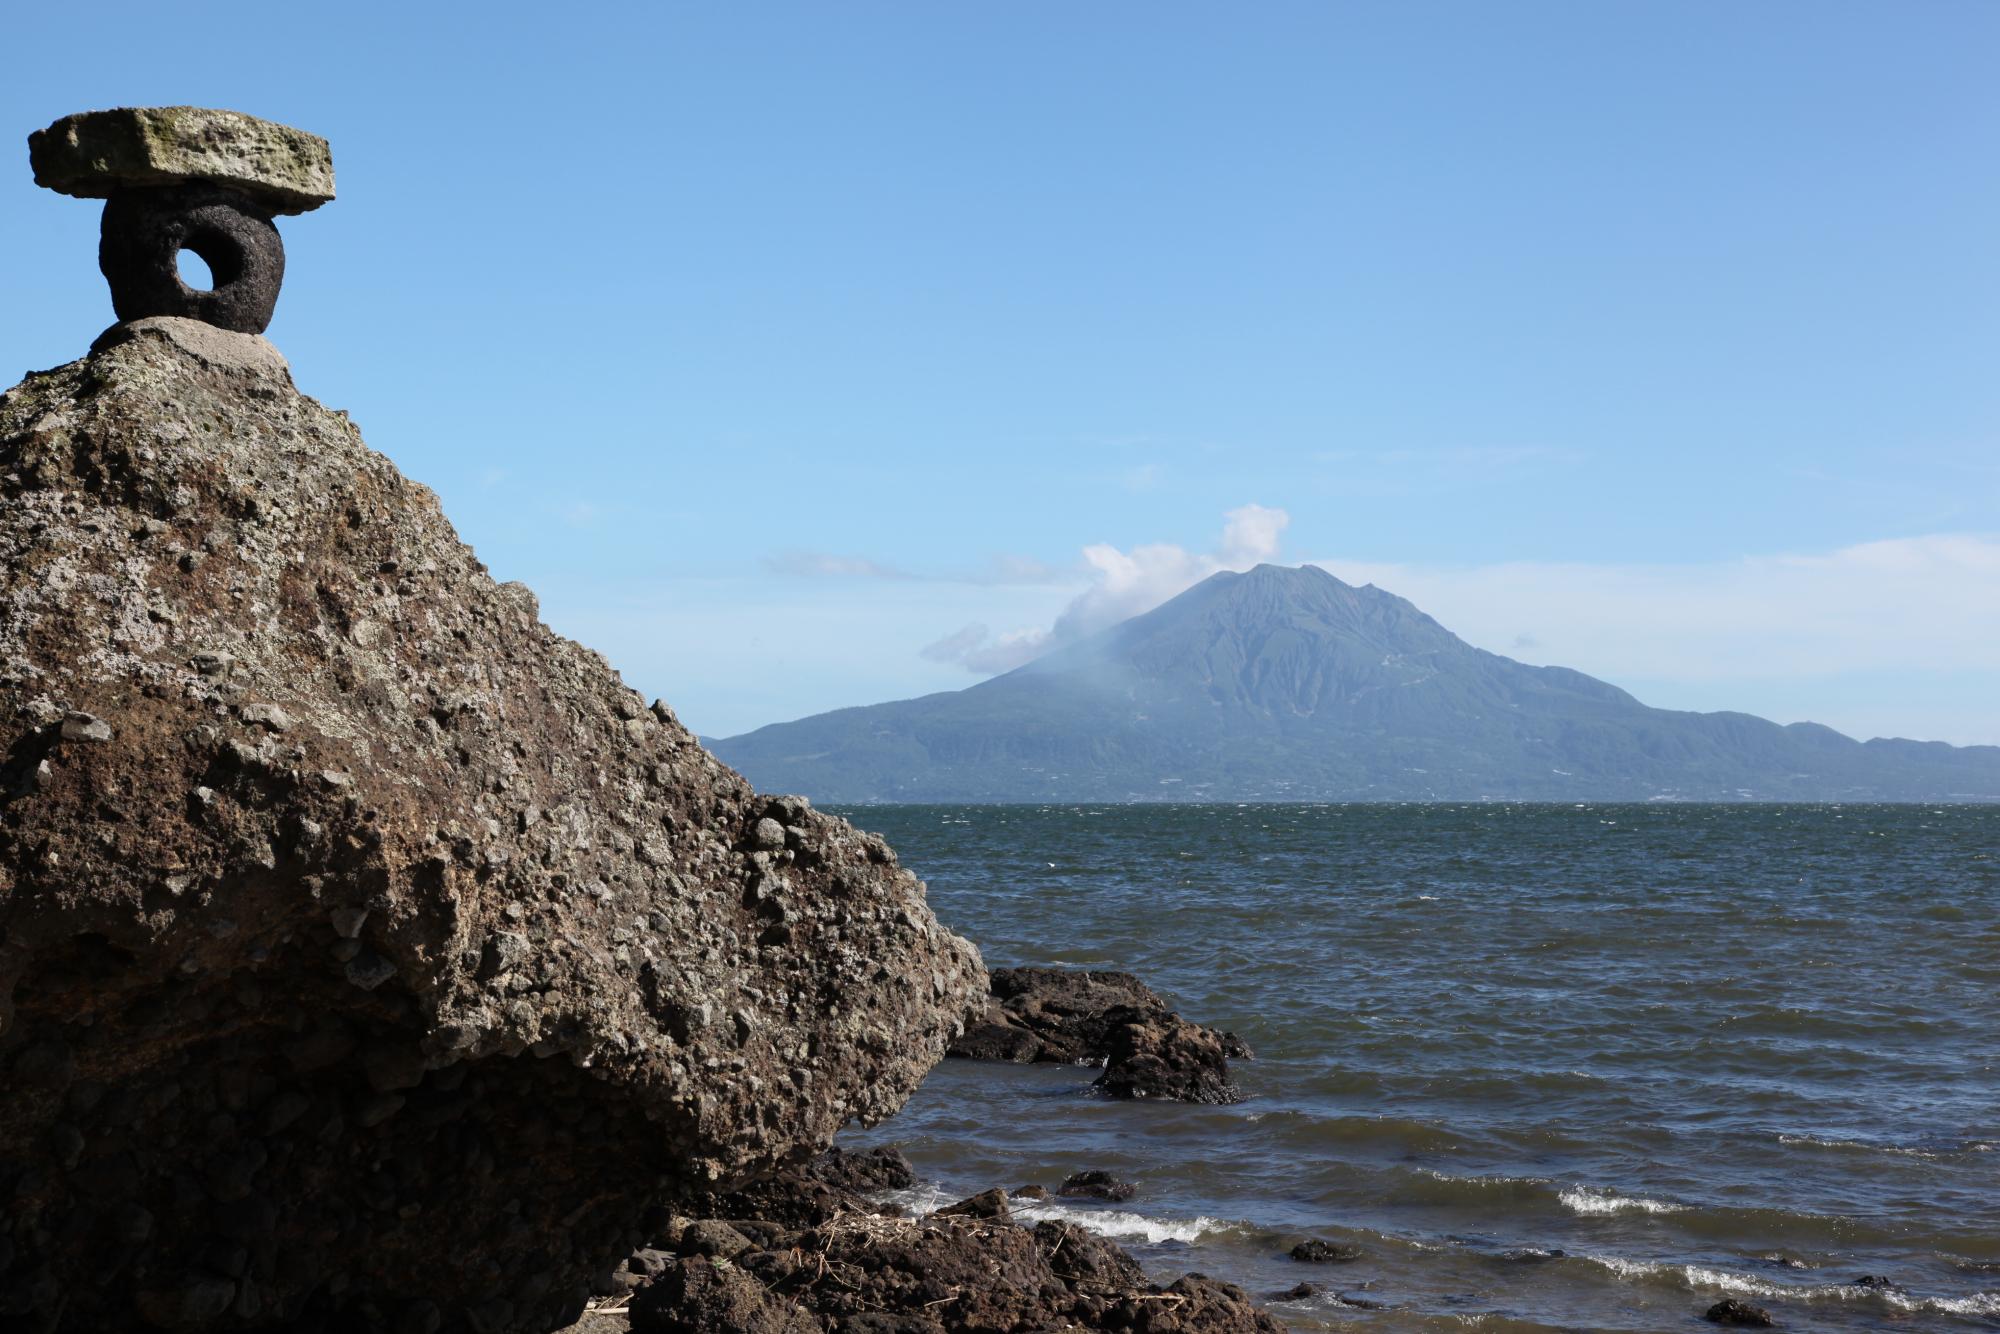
x,y
1149,1056
1068,1016
1318,1251
1097,1184
1734,1312
986,1204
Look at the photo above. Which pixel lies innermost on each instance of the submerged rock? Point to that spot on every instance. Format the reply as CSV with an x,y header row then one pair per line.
x,y
1318,1251
1097,1184
1733,1312
1074,1017
371,956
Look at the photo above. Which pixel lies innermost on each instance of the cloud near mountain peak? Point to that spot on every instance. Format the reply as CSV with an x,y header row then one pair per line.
x,y
1123,584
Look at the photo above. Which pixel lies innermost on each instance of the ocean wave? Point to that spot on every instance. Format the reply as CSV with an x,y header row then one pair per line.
x,y
1120,1224
1117,1224
1942,1148
1852,1146
1591,1201
1699,1277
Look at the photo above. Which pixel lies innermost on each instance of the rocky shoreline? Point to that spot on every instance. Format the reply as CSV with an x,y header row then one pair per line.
x,y
824,1247
372,957
814,1250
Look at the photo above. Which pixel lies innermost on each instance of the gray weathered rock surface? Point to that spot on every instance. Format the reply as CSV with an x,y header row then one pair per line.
x,y
370,956
93,154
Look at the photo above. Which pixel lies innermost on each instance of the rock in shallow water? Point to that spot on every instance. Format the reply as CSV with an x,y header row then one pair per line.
x,y
395,973
1733,1312
1096,1184
1074,1017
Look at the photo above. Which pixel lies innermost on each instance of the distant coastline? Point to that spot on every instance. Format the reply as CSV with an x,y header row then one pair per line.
x,y
1282,685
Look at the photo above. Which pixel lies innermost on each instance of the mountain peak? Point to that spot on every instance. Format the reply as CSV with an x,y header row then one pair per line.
x,y
1286,683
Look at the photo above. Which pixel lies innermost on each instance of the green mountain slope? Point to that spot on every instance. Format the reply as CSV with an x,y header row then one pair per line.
x,y
1287,684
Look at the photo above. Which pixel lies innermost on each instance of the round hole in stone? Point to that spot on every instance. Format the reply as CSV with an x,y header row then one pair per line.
x,y
194,271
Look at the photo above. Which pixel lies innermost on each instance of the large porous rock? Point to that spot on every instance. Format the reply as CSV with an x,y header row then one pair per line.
x,y
370,956
1070,1016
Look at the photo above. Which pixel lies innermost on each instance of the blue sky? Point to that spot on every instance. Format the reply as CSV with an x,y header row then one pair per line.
x,y
807,355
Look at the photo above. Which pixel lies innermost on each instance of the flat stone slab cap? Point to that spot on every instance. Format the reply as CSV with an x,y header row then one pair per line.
x,y
94,153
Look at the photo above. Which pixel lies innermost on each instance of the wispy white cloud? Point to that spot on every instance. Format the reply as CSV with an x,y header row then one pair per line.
x,y
1122,584
828,565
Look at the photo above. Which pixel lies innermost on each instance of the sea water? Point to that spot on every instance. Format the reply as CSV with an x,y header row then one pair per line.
x,y
1549,1067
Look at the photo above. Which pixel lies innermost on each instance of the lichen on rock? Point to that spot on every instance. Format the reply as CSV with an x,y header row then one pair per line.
x,y
371,953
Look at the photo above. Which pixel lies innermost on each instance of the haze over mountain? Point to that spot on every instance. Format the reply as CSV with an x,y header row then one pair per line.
x,y
1288,684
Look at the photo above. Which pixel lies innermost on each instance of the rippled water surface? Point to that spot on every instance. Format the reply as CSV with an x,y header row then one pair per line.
x,y
1550,1067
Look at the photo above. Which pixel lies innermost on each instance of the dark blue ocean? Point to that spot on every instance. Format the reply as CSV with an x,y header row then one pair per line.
x,y
1549,1067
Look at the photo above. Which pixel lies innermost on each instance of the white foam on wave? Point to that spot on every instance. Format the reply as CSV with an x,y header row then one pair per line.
x,y
1699,1276
1118,1224
1586,1200
1814,1141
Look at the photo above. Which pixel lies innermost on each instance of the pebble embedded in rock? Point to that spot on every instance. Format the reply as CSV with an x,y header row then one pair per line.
x,y
85,727
369,970
266,715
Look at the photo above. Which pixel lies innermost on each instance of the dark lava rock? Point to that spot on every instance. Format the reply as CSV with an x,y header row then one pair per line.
x,y
1031,1192
698,1296
714,1239
1733,1312
939,1273
836,1182
1298,1292
1070,1016
986,1204
372,957
1316,1251
1097,1185
1154,1057
1878,1282
870,1170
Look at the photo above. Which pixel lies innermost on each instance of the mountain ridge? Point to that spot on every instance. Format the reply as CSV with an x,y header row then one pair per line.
x,y
1280,683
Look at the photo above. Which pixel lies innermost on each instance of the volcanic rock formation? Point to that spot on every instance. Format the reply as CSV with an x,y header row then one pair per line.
x,y
1068,1016
371,956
